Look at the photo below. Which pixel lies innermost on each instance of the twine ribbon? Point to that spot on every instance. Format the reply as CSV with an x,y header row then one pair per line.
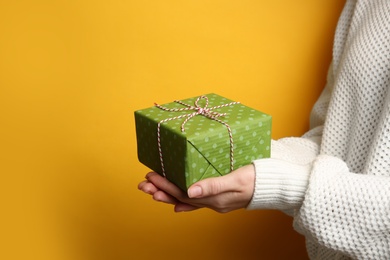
x,y
198,110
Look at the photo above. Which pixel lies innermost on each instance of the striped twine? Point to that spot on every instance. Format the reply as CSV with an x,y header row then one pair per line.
x,y
204,111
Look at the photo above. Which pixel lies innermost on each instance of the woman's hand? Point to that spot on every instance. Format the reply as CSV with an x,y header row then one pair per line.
x,y
222,194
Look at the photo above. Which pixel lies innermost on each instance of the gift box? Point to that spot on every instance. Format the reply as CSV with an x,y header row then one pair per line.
x,y
200,137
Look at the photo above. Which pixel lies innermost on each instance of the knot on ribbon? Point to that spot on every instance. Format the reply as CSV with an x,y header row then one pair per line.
x,y
203,111
197,110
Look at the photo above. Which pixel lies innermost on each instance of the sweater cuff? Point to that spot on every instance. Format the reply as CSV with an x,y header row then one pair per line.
x,y
279,184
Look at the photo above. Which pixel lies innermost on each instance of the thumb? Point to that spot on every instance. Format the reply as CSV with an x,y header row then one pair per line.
x,y
211,186
237,180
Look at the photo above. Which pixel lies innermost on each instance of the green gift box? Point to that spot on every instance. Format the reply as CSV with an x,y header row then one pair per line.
x,y
200,137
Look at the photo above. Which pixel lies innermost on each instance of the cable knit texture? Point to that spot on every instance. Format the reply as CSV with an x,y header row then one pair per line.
x,y
335,180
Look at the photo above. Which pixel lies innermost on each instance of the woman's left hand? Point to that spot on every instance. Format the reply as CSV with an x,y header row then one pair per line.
x,y
222,194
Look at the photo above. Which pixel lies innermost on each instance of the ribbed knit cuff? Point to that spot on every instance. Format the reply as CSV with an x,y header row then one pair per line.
x,y
279,184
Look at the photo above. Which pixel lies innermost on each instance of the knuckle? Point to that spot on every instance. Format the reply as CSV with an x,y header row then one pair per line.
x,y
216,187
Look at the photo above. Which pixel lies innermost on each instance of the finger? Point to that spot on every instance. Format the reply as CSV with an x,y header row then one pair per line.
x,y
164,197
233,181
182,207
150,174
147,187
211,186
165,185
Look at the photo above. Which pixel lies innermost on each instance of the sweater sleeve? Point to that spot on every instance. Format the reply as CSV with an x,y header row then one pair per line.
x,y
281,181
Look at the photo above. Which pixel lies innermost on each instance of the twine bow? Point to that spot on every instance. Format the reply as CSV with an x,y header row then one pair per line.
x,y
198,110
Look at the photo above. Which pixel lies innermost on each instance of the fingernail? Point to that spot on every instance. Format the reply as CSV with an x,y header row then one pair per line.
x,y
194,192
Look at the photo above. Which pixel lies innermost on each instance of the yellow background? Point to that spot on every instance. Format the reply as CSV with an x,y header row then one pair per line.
x,y
73,72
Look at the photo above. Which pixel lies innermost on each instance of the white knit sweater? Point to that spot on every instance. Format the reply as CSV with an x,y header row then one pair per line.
x,y
335,180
